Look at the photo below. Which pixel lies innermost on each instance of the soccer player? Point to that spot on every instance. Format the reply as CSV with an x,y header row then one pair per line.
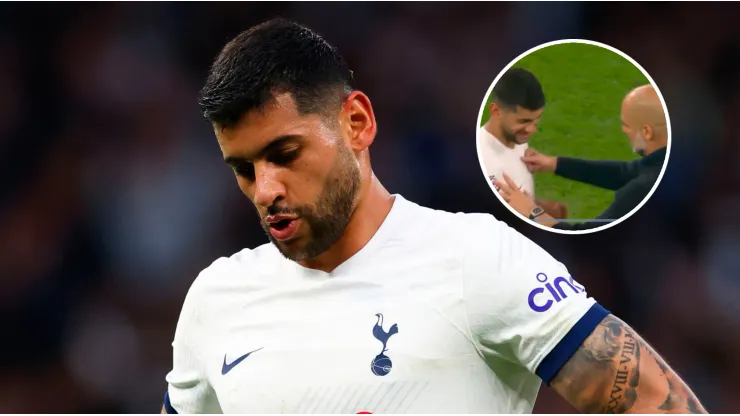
x,y
365,301
518,102
644,124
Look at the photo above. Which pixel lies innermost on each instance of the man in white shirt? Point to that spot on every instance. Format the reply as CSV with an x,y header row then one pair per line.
x,y
515,111
364,301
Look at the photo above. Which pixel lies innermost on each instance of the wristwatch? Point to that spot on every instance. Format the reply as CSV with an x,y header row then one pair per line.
x,y
536,212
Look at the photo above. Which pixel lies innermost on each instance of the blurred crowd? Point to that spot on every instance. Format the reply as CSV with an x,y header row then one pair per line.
x,y
113,194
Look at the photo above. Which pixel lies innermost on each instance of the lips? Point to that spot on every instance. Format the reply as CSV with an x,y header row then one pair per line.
x,y
282,227
272,219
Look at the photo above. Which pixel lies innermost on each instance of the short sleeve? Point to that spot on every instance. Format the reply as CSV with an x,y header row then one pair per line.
x,y
522,304
188,389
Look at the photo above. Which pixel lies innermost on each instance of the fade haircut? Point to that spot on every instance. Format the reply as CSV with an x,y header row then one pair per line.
x,y
519,88
275,57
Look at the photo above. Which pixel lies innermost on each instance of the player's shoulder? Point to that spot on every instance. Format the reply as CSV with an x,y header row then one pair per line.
x,y
491,251
246,267
471,221
459,226
210,293
485,236
485,239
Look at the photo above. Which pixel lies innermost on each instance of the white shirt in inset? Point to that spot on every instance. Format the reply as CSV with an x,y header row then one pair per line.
x,y
497,159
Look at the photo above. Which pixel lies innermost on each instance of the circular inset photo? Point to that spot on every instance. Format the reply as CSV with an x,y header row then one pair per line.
x,y
573,136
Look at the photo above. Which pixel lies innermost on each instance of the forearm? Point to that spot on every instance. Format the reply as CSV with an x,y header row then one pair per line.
x,y
602,173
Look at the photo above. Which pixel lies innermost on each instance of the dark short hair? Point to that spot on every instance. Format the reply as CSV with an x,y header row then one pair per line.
x,y
519,88
274,57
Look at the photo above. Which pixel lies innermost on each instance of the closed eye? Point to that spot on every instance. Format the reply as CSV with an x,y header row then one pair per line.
x,y
245,170
284,158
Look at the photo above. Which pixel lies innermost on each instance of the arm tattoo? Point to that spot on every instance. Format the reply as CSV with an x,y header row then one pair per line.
x,y
678,394
615,371
623,393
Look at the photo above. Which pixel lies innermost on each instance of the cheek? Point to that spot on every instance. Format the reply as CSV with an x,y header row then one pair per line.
x,y
306,177
245,186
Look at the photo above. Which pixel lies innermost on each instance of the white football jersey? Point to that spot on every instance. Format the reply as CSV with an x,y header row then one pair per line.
x,y
438,313
498,159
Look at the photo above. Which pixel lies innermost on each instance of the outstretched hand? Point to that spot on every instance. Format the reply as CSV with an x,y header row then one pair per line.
x,y
514,196
538,162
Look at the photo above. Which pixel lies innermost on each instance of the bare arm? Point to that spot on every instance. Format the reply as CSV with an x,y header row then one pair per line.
x,y
616,371
163,411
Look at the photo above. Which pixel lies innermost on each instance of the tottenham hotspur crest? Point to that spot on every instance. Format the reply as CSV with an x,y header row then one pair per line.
x,y
382,364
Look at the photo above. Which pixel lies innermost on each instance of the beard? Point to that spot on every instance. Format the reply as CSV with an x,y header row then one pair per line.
x,y
640,145
509,135
329,216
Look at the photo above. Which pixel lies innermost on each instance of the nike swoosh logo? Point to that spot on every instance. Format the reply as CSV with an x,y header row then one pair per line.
x,y
228,367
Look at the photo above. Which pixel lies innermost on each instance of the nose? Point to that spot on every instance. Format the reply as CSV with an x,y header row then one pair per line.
x,y
267,188
531,129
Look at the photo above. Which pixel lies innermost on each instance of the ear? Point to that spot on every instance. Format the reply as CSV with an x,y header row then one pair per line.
x,y
494,109
358,121
647,132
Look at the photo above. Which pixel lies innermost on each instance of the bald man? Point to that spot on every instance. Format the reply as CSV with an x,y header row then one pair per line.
x,y
643,120
644,123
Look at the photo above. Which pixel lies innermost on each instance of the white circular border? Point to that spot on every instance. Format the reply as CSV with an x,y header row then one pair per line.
x,y
668,147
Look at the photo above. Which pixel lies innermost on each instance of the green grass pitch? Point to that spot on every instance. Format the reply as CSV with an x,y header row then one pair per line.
x,y
584,86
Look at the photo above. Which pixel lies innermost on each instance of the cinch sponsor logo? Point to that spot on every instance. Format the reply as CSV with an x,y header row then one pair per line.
x,y
541,299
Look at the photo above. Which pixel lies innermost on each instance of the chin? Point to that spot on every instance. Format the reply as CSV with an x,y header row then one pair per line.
x,y
293,255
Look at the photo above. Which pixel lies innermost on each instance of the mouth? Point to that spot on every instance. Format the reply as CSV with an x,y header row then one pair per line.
x,y
282,227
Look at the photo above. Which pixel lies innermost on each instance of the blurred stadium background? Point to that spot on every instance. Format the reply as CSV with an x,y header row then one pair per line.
x,y
114,196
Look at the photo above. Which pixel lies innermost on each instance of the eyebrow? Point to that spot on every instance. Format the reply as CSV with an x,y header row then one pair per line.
x,y
274,143
530,118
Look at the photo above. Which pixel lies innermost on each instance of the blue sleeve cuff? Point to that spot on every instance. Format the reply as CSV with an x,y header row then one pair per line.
x,y
556,359
167,405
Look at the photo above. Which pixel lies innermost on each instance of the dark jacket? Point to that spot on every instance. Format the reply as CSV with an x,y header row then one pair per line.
x,y
632,181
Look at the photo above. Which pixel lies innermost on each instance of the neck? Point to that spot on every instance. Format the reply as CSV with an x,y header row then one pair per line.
x,y
495,130
653,147
374,204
